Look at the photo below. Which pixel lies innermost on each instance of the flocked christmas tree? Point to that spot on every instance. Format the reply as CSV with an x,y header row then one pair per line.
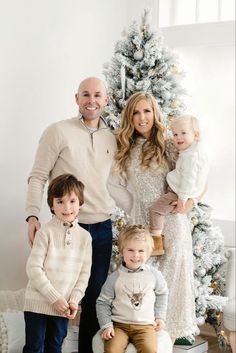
x,y
209,277
142,62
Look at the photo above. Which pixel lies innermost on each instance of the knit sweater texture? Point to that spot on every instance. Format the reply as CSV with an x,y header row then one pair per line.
x,y
58,266
69,147
189,177
131,297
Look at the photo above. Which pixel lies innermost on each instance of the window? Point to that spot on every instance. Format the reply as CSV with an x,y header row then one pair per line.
x,y
182,12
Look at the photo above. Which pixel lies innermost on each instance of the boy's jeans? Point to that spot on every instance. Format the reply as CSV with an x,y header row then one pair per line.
x,y
44,333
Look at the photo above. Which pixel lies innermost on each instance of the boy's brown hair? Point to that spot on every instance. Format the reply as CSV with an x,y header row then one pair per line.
x,y
135,232
62,185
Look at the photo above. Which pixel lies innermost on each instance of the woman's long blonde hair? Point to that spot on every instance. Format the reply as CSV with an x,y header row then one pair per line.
x,y
154,147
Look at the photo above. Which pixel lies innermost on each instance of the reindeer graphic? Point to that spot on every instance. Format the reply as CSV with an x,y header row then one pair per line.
x,y
136,297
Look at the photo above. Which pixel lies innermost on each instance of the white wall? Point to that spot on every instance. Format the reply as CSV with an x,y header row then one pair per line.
x,y
206,53
47,47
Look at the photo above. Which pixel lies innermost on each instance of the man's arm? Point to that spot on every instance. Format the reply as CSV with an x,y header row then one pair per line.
x,y
45,160
33,227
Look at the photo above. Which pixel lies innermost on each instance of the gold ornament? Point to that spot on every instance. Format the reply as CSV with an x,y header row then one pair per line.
x,y
173,69
222,332
115,245
152,72
218,316
194,220
174,104
214,284
120,224
145,28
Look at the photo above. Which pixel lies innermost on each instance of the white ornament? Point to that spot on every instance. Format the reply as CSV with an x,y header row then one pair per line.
x,y
166,95
200,320
201,271
138,55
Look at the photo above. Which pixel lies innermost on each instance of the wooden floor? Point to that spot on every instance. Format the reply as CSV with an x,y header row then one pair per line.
x,y
213,346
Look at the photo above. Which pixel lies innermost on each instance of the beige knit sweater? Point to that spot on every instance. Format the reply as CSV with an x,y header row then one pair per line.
x,y
59,265
68,147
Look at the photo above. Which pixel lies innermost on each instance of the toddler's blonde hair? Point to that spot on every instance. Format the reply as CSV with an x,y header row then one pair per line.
x,y
135,232
193,122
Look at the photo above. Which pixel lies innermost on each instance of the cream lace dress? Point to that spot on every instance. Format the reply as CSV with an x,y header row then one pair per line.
x,y
143,187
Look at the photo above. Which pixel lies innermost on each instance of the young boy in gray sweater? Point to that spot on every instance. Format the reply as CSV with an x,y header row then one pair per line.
x,y
133,301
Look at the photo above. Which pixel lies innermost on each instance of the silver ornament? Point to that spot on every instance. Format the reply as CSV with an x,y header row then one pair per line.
x,y
200,320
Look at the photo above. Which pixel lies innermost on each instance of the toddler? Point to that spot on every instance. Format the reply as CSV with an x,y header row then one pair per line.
x,y
187,180
133,301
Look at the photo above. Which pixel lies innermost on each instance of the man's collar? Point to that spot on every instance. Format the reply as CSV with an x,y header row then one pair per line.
x,y
102,122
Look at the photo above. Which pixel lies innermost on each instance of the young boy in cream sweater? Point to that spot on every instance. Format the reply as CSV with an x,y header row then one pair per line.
x,y
58,269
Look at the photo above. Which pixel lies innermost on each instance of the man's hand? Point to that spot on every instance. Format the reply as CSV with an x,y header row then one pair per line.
x,y
33,226
108,333
61,306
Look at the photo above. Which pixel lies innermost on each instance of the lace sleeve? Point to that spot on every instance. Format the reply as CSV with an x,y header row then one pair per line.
x,y
171,153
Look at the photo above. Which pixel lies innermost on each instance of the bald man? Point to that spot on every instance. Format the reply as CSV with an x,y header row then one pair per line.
x,y
83,146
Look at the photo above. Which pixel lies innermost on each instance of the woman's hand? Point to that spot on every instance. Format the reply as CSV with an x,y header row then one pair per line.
x,y
189,204
181,207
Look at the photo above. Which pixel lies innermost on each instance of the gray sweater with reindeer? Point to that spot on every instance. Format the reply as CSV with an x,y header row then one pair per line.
x,y
130,297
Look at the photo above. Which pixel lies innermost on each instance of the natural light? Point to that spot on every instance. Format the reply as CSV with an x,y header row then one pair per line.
x,y
181,12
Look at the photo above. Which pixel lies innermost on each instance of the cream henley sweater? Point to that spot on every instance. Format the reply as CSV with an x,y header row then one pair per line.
x,y
59,265
68,147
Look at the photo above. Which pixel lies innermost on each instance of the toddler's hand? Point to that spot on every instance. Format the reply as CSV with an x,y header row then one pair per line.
x,y
108,333
160,325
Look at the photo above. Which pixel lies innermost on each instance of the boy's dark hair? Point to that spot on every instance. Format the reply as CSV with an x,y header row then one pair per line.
x,y
65,184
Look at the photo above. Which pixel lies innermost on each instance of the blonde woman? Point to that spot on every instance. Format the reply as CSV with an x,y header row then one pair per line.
x,y
142,161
